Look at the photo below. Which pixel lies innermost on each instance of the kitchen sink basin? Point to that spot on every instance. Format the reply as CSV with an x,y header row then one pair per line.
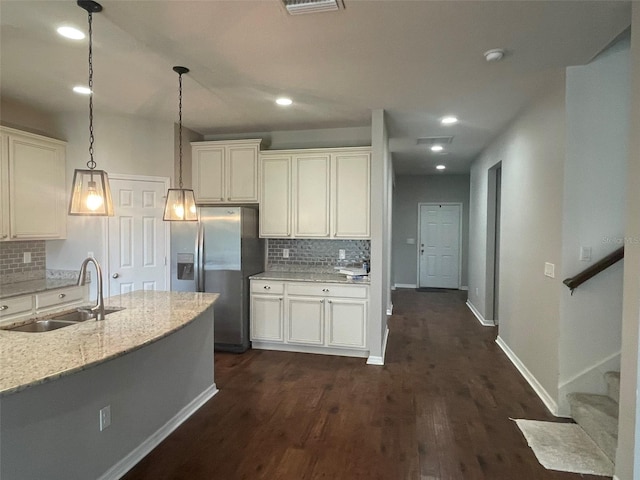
x,y
60,320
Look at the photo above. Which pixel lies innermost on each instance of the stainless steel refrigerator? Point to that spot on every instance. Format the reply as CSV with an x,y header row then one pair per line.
x,y
218,254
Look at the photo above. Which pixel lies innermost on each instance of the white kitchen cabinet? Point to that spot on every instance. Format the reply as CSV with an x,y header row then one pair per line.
x,y
275,196
32,186
267,311
23,307
325,318
305,320
351,200
311,195
319,193
226,171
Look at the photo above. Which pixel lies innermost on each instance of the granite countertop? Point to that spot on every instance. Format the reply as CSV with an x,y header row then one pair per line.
x,y
34,286
308,277
30,359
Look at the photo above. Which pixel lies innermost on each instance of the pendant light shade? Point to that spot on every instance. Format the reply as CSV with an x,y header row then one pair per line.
x,y
181,203
90,192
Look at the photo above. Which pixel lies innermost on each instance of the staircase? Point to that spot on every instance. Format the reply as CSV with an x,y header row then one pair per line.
x,y
598,414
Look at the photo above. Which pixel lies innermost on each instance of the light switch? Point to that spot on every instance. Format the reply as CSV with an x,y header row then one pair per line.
x,y
285,253
585,254
411,241
341,254
26,258
549,270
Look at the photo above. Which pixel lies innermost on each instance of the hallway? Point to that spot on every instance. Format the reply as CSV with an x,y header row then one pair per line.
x,y
439,409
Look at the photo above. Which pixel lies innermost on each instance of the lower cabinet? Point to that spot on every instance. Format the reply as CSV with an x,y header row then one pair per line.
x,y
310,317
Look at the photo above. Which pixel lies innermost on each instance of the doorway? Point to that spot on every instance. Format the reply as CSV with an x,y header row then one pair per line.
x,y
439,232
494,201
137,237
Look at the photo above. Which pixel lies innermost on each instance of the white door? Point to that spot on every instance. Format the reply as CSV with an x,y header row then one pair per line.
x,y
138,237
439,248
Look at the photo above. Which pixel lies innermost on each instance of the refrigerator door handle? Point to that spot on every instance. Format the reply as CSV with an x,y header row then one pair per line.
x,y
199,260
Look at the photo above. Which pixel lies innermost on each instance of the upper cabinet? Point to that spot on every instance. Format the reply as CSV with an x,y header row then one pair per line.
x,y
319,193
226,171
32,186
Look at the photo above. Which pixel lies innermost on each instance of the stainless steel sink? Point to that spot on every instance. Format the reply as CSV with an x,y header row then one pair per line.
x,y
60,320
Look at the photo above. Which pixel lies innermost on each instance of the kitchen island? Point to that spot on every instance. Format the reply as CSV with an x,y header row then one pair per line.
x,y
143,370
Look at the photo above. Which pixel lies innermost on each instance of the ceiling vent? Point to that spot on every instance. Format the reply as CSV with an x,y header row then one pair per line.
x,y
435,141
298,7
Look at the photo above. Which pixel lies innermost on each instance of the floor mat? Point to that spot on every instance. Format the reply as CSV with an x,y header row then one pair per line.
x,y
565,447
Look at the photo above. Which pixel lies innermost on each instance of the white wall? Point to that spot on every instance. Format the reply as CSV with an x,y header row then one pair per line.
x,y
532,152
628,454
24,117
409,192
123,145
597,101
381,201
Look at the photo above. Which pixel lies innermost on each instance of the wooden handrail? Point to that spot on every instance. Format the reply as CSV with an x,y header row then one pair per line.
x,y
594,269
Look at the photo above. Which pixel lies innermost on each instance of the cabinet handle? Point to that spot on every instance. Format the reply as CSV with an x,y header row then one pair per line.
x,y
267,287
4,307
5,235
62,295
325,289
280,298
330,301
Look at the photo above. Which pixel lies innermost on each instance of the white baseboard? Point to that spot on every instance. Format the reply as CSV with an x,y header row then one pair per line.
x,y
548,401
390,310
372,360
137,454
405,285
484,322
464,287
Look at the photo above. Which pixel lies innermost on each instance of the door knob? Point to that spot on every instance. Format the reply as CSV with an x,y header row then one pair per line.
x,y
116,275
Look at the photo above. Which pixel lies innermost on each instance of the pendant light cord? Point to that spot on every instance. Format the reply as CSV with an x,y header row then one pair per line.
x,y
180,127
91,163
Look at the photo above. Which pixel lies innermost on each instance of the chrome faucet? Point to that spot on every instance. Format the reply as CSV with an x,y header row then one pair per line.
x,y
82,279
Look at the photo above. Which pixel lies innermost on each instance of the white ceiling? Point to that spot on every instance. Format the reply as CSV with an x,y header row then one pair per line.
x,y
417,59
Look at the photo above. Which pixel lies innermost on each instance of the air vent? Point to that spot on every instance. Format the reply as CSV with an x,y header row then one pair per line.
x,y
435,141
298,7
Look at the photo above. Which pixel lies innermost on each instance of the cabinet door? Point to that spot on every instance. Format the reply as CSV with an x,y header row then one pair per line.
x,y
242,174
4,187
267,318
36,188
347,323
311,195
350,202
305,317
275,198
208,174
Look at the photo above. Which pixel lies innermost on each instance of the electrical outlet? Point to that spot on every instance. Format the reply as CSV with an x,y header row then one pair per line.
x,y
476,291
105,417
285,253
342,254
26,257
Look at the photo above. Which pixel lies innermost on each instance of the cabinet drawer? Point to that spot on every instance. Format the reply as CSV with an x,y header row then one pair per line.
x,y
328,290
265,286
15,306
59,297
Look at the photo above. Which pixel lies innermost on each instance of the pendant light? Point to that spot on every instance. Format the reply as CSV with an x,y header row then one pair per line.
x,y
181,204
90,192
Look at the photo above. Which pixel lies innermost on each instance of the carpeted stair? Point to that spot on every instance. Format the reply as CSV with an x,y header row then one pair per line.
x,y
598,414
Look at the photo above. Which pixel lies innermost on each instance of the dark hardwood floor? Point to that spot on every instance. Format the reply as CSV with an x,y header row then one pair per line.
x,y
439,409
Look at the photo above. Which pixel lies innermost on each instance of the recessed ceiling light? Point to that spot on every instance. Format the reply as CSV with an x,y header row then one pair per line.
x,y
70,32
285,102
449,120
437,148
440,167
82,90
494,55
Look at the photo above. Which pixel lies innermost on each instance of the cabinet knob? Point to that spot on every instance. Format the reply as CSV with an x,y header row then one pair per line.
x,y
62,295
4,236
322,301
115,275
4,307
330,301
267,287
325,289
280,298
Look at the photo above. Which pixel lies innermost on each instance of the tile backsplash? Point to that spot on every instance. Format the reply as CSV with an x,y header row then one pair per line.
x,y
12,266
315,255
